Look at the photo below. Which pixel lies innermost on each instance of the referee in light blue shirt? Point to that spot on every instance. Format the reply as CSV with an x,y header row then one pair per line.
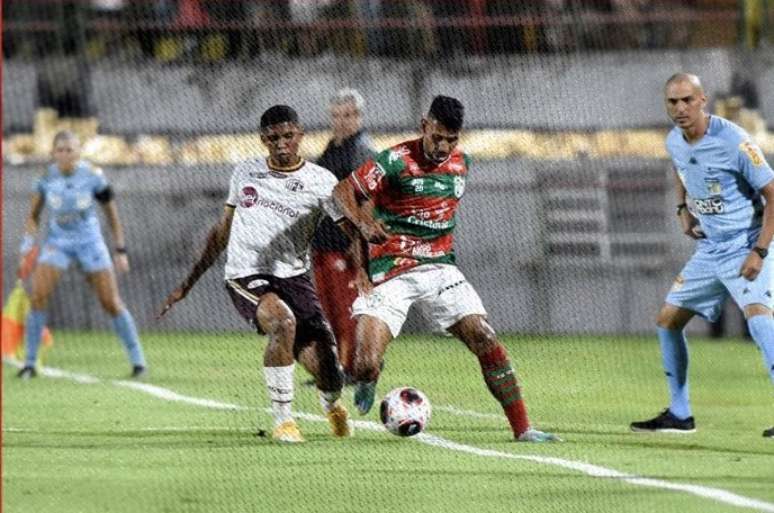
x,y
70,189
725,191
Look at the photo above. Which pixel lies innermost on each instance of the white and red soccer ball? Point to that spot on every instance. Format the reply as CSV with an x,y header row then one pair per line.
x,y
405,411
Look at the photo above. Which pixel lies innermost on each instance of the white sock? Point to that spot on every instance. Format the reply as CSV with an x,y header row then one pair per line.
x,y
328,399
279,382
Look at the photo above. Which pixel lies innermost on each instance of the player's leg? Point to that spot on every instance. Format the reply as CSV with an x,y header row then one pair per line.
x,y
104,284
677,417
333,273
314,347
373,335
499,376
275,318
697,290
315,350
380,316
44,280
755,300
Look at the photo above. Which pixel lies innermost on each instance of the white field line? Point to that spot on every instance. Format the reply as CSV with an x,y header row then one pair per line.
x,y
707,492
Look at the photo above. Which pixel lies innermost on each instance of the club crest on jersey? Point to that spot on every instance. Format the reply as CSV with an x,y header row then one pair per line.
x,y
753,153
459,186
248,196
397,154
294,185
713,187
83,201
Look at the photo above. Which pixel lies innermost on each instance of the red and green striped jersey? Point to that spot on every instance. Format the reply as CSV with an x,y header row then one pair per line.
x,y
417,200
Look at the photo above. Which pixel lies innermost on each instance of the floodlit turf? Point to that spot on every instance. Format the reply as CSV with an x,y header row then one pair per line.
x,y
101,447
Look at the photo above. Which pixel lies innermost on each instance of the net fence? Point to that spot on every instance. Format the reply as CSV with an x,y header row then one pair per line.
x,y
567,223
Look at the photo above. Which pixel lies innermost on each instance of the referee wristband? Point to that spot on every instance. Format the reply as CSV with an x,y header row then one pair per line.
x,y
120,251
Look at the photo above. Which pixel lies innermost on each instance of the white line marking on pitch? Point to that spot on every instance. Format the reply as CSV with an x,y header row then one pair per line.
x,y
707,492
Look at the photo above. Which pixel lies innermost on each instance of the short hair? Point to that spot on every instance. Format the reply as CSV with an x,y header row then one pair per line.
x,y
448,111
278,114
66,135
348,95
685,77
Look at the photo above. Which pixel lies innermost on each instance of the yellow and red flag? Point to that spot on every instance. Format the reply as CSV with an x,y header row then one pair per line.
x,y
15,311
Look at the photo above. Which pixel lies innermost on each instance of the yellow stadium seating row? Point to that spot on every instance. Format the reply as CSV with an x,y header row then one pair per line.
x,y
159,150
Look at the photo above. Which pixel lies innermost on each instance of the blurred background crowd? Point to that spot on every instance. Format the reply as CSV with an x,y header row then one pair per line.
x,y
213,30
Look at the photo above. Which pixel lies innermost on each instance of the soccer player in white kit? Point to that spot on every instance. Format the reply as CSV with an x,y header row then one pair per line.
x,y
272,210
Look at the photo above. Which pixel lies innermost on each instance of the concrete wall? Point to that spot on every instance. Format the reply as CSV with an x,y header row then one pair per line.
x,y
572,91
501,245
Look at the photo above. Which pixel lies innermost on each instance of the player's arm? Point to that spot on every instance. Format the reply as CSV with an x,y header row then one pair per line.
x,y
117,232
348,201
754,262
689,224
358,252
217,240
31,228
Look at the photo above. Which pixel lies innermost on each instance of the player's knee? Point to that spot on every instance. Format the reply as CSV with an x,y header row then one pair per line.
x,y
113,306
669,319
38,301
756,309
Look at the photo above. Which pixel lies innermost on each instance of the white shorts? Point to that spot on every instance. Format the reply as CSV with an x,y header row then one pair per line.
x,y
440,290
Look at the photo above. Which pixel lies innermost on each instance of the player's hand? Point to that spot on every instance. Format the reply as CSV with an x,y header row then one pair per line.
x,y
121,262
176,295
27,263
691,226
374,231
751,266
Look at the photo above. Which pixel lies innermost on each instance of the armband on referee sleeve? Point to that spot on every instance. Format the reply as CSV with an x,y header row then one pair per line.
x,y
104,195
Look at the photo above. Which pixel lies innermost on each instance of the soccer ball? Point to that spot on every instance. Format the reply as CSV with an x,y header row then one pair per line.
x,y
405,411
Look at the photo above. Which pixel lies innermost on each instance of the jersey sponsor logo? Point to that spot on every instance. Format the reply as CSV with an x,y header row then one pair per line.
x,y
753,153
435,225
374,175
258,176
710,206
248,196
294,185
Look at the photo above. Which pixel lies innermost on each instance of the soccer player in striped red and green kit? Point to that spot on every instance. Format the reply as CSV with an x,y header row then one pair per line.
x,y
415,188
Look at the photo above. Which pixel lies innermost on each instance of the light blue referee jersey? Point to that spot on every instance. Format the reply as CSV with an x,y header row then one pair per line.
x,y
73,233
722,174
70,202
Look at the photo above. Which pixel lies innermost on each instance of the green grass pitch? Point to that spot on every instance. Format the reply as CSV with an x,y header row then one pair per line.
x,y
105,447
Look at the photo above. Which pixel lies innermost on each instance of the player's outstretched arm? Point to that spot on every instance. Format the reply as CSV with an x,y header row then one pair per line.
x,y
372,229
217,240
